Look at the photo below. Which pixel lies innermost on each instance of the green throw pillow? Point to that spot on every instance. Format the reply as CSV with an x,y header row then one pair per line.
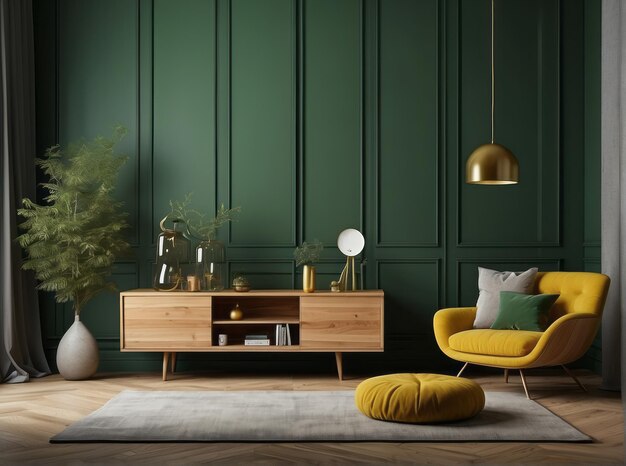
x,y
520,311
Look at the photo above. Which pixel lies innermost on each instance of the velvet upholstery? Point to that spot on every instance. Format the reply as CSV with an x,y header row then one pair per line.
x,y
575,318
419,398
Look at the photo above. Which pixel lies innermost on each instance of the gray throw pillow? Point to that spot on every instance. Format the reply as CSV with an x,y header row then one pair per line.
x,y
491,283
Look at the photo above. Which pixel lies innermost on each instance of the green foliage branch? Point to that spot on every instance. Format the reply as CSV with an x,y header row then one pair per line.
x,y
201,225
308,253
73,238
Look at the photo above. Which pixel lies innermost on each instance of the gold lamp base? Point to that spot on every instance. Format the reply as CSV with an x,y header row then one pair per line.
x,y
343,283
492,164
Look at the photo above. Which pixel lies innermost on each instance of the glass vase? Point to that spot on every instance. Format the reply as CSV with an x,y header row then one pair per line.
x,y
173,251
211,265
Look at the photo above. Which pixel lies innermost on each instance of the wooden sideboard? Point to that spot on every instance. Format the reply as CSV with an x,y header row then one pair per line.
x,y
176,322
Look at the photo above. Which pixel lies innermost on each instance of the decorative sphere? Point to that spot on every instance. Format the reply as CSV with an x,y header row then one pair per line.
x,y
236,314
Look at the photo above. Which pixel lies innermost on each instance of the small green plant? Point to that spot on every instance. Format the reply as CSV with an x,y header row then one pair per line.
x,y
74,237
199,225
308,253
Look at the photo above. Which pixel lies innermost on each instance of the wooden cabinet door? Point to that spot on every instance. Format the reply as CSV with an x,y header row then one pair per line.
x,y
166,322
341,323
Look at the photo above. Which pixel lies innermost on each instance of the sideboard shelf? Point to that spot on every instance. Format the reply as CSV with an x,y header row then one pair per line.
x,y
177,322
256,320
267,349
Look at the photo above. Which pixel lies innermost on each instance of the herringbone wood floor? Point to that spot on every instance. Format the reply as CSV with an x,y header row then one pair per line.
x,y
31,413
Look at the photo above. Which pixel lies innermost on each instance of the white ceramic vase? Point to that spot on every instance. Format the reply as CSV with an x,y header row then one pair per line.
x,y
77,354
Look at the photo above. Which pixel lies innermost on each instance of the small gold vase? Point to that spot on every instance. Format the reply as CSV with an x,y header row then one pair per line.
x,y
308,279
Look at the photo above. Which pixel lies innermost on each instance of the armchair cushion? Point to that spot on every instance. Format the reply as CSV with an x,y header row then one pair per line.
x,y
491,283
508,343
520,311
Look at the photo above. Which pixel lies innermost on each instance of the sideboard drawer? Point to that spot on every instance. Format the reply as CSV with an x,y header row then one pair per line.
x,y
341,322
166,322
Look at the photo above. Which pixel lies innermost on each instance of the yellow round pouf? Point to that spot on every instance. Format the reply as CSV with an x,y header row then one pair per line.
x,y
419,398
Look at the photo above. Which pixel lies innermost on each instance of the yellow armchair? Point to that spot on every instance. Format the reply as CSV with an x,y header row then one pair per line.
x,y
575,318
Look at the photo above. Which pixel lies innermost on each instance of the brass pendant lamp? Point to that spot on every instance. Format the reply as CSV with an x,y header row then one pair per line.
x,y
492,164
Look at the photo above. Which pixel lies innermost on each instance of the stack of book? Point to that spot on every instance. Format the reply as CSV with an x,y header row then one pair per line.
x,y
257,340
283,336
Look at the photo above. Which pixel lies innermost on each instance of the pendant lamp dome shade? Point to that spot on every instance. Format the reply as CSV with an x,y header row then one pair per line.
x,y
492,164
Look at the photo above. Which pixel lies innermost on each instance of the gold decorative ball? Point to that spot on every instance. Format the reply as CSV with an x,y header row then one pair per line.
x,y
236,314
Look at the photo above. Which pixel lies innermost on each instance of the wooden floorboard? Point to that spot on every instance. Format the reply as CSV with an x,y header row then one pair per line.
x,y
31,413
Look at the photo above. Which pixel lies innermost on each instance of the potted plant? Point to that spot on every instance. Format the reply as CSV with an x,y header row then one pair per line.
x,y
73,238
210,255
307,255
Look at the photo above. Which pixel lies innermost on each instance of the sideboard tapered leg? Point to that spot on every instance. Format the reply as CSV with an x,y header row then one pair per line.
x,y
339,360
173,361
166,357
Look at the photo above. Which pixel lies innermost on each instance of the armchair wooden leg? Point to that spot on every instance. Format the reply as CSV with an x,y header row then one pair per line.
x,y
521,374
462,369
568,372
506,376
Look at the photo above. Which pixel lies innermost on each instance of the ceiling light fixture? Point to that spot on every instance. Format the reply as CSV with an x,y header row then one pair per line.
x,y
492,164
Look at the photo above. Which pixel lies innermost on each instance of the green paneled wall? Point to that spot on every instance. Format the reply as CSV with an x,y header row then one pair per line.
x,y
331,117
527,121
183,105
97,80
408,163
262,156
318,115
591,186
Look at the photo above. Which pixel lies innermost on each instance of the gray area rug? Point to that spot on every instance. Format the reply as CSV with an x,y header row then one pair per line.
x,y
296,416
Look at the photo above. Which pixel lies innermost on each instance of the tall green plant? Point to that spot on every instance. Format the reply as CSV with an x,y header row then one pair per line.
x,y
73,238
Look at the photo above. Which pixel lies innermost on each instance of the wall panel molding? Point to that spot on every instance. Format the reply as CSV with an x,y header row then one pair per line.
x,y
548,38
252,38
331,118
145,95
319,115
436,157
81,85
137,230
183,105
414,296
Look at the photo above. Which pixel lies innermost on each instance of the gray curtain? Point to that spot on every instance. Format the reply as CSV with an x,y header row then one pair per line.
x,y
21,349
614,190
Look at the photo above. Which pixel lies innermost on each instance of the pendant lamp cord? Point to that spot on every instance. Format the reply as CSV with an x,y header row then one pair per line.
x,y
493,72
